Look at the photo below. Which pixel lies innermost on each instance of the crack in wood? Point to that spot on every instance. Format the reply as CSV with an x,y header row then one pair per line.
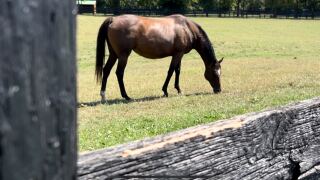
x,y
295,168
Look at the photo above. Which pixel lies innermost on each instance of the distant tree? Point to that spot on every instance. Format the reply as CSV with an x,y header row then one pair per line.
x,y
238,2
272,6
317,6
225,5
128,3
174,6
307,5
208,5
150,4
101,3
311,6
244,5
195,5
254,5
287,5
115,5
298,7
282,6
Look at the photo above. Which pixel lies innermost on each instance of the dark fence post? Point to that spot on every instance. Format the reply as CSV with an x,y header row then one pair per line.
x,y
37,90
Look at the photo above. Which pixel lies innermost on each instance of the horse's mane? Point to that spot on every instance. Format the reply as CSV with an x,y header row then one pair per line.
x,y
207,45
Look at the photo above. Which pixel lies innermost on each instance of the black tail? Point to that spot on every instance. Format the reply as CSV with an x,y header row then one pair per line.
x,y
101,47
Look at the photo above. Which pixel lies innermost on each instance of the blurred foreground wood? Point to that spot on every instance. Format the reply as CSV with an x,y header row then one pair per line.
x,y
281,143
37,90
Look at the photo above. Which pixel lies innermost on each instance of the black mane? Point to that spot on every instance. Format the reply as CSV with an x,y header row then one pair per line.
x,y
207,51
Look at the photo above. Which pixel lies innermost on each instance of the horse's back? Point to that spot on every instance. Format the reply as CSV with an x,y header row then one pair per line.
x,y
149,37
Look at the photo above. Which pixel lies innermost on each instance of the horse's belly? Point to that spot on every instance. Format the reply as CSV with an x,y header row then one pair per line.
x,y
154,50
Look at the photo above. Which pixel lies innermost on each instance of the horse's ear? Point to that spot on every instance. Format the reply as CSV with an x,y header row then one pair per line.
x,y
221,60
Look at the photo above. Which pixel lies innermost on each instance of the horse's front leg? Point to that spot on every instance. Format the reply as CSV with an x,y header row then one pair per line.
x,y
122,63
176,82
176,60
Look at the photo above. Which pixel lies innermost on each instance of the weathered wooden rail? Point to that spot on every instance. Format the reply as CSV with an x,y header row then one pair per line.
x,y
282,143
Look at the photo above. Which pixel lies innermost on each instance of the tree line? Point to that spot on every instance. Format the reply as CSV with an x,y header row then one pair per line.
x,y
273,7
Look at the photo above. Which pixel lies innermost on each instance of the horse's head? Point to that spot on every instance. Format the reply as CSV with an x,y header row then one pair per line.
x,y
212,74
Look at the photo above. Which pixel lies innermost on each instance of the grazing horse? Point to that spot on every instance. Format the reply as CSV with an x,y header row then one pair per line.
x,y
153,38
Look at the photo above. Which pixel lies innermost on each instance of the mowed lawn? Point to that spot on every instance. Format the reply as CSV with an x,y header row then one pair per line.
x,y
268,63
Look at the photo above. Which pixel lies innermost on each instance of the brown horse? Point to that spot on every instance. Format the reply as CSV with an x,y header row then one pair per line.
x,y
153,38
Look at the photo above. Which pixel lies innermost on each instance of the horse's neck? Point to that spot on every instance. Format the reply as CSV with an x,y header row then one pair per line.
x,y
204,48
201,43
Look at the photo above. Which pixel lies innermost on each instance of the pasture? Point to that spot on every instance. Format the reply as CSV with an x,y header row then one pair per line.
x,y
268,62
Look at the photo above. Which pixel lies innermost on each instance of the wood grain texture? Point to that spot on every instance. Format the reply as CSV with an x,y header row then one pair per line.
x,y
281,143
37,90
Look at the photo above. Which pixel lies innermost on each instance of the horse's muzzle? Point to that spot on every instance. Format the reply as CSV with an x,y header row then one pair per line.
x,y
216,91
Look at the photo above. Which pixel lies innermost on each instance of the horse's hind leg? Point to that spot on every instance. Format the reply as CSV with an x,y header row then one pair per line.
x,y
106,71
176,82
122,63
176,60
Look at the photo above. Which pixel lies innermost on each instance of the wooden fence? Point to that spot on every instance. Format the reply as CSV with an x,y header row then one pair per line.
x,y
282,143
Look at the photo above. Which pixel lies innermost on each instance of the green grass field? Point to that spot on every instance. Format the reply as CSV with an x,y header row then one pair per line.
x,y
268,62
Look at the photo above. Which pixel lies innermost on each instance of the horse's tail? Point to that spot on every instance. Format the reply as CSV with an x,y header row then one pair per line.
x,y
101,47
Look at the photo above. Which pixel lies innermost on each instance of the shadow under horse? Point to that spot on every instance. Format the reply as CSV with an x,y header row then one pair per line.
x,y
118,101
153,38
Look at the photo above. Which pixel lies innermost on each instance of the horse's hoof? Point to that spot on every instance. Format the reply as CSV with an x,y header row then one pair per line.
x,y
103,97
103,101
178,90
127,98
165,95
